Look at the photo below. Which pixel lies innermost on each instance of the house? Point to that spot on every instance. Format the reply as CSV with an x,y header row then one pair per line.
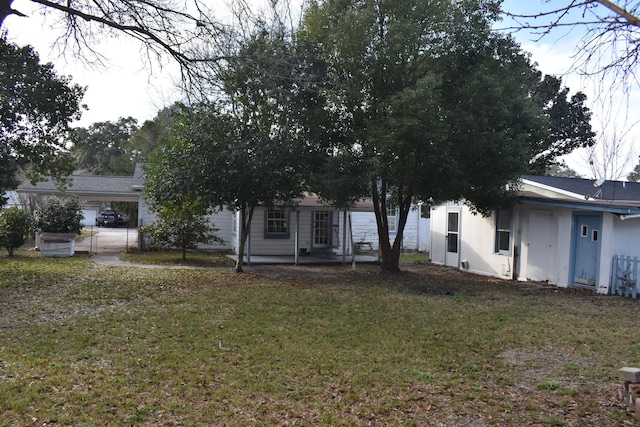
x,y
12,199
91,190
564,231
416,236
311,228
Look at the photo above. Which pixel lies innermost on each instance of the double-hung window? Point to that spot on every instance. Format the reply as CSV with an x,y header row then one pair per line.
x,y
392,218
503,231
276,224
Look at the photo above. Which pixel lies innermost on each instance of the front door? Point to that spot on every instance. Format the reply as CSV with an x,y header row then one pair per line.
x,y
586,253
452,251
322,229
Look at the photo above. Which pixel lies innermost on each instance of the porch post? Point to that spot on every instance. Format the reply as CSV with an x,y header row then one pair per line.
x,y
249,246
344,237
353,253
297,243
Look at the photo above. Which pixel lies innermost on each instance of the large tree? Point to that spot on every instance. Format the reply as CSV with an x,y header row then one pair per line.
x,y
147,138
246,149
100,148
435,106
36,108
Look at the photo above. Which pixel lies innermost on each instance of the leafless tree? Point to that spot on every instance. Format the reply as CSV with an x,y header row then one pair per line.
x,y
612,157
611,42
189,33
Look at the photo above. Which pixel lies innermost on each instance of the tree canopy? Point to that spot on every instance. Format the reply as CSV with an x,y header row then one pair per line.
x,y
101,148
36,109
400,103
244,150
434,105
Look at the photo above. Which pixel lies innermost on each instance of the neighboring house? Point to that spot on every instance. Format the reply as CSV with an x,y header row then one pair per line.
x,y
91,190
12,199
311,228
564,231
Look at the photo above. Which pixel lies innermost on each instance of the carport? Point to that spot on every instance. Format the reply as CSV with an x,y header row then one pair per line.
x,y
96,188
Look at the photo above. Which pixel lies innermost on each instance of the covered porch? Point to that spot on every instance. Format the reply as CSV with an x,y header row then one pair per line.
x,y
309,259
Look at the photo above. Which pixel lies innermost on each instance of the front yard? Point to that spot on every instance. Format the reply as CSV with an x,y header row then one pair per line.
x,y
90,345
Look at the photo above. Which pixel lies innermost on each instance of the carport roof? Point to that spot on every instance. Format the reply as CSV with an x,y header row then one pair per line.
x,y
89,187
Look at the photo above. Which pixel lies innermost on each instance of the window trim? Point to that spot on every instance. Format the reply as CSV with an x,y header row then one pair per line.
x,y
498,232
392,212
272,235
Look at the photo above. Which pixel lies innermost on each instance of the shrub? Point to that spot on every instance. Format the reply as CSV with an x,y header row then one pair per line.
x,y
181,226
57,215
15,226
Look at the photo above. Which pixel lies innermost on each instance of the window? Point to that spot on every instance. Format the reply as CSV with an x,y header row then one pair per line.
x,y
453,231
276,224
321,228
391,218
503,231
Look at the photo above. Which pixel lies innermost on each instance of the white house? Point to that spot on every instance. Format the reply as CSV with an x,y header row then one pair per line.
x,y
416,235
564,231
311,228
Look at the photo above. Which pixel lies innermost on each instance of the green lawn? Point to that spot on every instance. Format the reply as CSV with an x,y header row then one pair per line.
x,y
90,345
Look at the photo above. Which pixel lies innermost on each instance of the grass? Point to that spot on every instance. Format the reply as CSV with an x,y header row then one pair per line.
x,y
92,345
174,257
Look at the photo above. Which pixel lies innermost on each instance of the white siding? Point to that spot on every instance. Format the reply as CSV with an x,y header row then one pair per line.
x,y
626,240
261,245
222,220
416,235
89,217
530,241
477,243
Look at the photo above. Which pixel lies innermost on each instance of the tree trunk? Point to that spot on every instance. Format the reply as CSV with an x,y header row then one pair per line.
x,y
245,226
389,254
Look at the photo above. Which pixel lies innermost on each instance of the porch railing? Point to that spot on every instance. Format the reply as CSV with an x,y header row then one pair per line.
x,y
624,276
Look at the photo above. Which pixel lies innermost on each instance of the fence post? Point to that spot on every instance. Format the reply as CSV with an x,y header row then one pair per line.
x,y
634,275
614,274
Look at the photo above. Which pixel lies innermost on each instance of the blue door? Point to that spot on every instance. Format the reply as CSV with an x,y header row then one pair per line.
x,y
586,250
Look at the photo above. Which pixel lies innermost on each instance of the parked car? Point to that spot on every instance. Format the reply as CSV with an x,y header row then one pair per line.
x,y
111,219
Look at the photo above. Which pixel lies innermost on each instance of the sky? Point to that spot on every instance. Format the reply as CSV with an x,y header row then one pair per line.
x,y
121,88
124,87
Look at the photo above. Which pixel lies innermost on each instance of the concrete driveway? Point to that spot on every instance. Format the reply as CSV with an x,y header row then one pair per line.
x,y
108,240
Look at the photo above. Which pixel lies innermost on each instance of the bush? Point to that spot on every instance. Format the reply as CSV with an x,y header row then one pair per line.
x,y
59,216
181,226
15,226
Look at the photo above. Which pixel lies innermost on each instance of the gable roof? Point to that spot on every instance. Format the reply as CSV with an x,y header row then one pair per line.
x,y
88,187
612,196
579,187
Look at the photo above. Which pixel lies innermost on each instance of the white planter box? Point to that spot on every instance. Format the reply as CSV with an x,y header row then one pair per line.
x,y
57,244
